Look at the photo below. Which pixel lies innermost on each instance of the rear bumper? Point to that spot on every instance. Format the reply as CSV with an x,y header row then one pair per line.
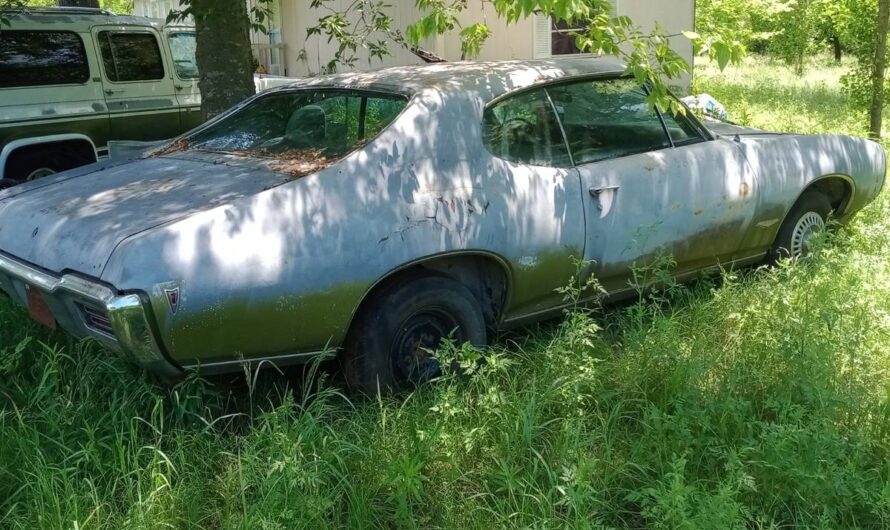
x,y
86,308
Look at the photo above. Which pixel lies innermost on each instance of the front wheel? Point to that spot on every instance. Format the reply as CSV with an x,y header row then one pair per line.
x,y
389,348
807,218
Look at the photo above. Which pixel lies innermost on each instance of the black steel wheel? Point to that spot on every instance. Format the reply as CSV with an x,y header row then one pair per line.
x,y
390,346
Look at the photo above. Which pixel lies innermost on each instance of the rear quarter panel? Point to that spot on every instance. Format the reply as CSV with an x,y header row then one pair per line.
x,y
284,271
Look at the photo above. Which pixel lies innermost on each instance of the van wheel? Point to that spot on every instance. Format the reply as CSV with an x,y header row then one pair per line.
x,y
33,162
389,347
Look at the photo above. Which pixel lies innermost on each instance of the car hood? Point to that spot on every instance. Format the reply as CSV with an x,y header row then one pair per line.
x,y
73,221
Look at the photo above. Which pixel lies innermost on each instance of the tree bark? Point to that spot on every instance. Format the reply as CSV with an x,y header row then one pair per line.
x,y
880,67
79,3
224,55
838,49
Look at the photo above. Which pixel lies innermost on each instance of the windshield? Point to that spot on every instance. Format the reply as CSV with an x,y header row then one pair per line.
x,y
326,123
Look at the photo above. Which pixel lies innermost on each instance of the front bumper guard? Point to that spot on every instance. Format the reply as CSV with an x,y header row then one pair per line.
x,y
129,314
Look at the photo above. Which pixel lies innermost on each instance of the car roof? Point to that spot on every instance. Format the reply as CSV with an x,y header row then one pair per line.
x,y
486,80
72,19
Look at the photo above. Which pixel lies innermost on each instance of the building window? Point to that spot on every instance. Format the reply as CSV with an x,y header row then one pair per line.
x,y
557,37
562,37
154,8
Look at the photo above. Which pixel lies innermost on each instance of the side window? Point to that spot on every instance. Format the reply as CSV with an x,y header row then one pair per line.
x,y
341,119
682,132
131,56
607,119
183,47
524,129
379,113
37,58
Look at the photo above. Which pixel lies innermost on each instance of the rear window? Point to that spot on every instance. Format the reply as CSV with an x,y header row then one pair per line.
x,y
131,56
314,123
38,58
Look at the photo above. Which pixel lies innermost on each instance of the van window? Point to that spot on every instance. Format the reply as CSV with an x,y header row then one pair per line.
x,y
37,58
131,56
183,47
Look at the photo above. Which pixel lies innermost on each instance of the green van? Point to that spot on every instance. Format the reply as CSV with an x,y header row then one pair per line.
x,y
71,79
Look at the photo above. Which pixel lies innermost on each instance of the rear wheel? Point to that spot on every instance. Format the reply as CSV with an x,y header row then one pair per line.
x,y
807,218
389,348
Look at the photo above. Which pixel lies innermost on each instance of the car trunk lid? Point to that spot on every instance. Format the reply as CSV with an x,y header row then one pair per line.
x,y
74,222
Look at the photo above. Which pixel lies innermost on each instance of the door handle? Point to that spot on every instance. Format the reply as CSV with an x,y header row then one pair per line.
x,y
180,87
596,192
110,91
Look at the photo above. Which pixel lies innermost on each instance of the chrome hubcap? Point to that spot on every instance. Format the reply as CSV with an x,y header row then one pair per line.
x,y
809,224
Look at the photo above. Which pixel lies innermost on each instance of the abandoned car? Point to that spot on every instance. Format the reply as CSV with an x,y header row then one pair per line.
x,y
373,214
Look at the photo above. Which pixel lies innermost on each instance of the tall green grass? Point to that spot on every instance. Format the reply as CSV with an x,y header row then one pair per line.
x,y
757,399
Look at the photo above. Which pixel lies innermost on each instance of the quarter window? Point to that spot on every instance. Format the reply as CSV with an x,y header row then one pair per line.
x,y
607,119
524,129
131,56
37,58
682,132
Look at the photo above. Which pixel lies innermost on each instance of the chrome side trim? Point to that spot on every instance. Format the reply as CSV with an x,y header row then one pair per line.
x,y
222,367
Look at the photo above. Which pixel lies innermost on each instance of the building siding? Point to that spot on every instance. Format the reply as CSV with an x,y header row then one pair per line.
x,y
304,57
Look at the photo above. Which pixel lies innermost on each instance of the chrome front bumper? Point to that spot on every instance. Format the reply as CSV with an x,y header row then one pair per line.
x,y
87,308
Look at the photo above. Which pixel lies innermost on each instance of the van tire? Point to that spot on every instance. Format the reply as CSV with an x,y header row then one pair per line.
x,y
27,163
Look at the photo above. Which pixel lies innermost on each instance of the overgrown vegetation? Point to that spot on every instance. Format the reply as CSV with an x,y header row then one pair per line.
x,y
759,399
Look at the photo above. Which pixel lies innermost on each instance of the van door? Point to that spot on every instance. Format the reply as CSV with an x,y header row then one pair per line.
x,y
182,45
138,87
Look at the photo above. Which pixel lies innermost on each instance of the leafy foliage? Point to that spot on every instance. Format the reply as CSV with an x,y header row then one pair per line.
x,y
648,54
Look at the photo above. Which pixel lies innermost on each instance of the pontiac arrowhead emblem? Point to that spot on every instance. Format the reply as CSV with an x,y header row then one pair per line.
x,y
173,299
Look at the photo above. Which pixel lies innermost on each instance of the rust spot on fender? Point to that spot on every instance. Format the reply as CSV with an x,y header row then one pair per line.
x,y
744,189
697,211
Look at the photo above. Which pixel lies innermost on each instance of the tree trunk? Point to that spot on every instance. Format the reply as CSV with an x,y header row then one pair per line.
x,y
838,49
79,3
880,67
224,56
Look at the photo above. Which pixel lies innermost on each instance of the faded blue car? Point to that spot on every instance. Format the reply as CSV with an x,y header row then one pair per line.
x,y
374,214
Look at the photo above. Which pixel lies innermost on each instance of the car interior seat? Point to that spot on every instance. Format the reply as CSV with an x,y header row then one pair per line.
x,y
307,127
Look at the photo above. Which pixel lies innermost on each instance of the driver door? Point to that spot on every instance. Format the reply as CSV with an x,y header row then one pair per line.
x,y
655,185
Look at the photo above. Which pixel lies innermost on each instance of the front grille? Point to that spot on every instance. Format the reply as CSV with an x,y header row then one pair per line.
x,y
96,319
